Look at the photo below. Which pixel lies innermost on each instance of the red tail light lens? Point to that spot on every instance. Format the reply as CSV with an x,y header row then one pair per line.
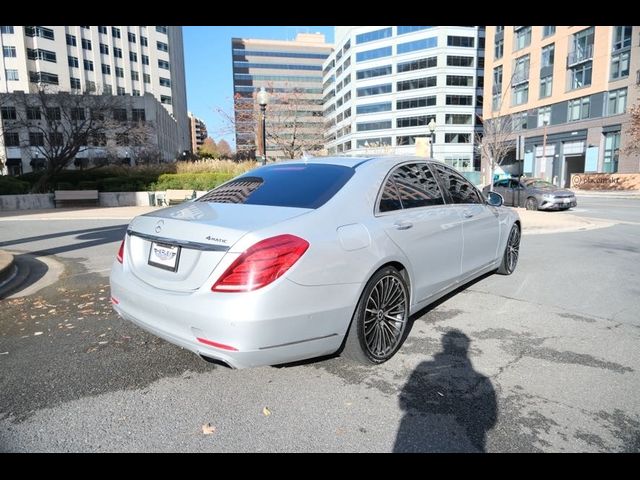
x,y
120,256
261,264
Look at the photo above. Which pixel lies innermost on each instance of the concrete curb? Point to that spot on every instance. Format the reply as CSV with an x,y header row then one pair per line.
x,y
6,267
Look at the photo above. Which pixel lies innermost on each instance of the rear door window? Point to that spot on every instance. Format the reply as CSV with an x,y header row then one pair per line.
x,y
286,185
459,188
410,186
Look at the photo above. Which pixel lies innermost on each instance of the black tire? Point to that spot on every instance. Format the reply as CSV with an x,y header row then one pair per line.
x,y
531,204
374,335
511,252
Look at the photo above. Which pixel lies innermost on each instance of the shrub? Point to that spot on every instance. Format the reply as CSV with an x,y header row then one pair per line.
x,y
191,181
65,186
88,185
13,186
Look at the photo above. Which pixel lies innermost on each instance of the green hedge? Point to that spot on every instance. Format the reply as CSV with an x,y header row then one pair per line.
x,y
191,181
13,186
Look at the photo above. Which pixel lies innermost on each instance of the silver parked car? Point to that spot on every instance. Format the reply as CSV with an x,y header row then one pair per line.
x,y
307,258
533,194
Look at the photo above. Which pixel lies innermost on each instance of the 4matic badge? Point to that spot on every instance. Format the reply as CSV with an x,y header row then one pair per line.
x,y
216,239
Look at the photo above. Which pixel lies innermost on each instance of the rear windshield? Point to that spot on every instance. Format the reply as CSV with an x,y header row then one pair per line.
x,y
300,185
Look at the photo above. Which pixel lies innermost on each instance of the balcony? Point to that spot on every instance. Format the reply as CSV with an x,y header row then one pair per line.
x,y
520,76
580,55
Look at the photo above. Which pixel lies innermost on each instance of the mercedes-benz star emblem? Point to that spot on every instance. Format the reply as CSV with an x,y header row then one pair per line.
x,y
159,226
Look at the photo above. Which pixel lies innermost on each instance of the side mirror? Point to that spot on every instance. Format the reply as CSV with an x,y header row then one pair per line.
x,y
494,199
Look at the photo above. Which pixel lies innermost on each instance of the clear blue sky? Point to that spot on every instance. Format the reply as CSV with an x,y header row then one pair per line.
x,y
208,66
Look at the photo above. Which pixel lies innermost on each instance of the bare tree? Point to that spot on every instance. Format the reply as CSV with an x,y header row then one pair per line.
x,y
59,126
633,130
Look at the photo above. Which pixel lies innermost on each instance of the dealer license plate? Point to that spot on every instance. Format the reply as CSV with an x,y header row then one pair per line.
x,y
164,256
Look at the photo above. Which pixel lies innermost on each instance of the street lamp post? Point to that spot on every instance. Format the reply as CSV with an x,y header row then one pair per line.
x,y
263,100
432,129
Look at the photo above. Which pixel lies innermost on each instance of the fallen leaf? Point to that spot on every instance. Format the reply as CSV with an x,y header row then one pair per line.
x,y
266,412
102,343
441,394
4,353
37,333
208,429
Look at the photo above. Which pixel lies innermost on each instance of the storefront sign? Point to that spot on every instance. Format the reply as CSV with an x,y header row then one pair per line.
x,y
605,181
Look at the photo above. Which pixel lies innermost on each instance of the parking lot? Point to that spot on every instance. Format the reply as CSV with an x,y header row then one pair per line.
x,y
543,360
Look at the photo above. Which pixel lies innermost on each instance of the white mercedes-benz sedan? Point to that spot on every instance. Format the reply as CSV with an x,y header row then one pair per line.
x,y
307,258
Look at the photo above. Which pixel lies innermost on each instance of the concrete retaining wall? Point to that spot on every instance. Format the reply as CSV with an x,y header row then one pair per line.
x,y
42,201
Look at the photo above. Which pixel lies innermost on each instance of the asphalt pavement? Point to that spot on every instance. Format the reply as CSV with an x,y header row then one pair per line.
x,y
542,361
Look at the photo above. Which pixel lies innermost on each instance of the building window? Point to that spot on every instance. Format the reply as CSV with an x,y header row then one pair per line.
x,y
86,44
617,102
499,28
579,109
102,29
373,108
165,82
73,62
39,32
373,142
457,138
373,54
107,89
373,90
146,78
90,86
457,119
544,116
498,51
12,74
77,114
581,47
621,38
71,40
520,70
455,41
11,139
135,93
520,94
120,114
421,44
75,83
522,38
420,64
143,41
407,140
115,32
145,59
40,54
117,52
416,83
163,47
546,86
363,127
408,103
106,69
33,113
458,61
133,56
373,72
549,30
580,76
104,49
620,65
459,100
548,53
138,115
6,29
497,88
372,36
88,65
9,51
162,29
417,121
8,113
53,113
460,80
43,77
132,37
163,64
119,72
36,139
121,91
166,99
135,75
410,29
611,152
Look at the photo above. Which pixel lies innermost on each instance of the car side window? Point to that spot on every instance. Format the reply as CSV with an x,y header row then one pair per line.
x,y
514,184
416,188
501,183
459,188
390,199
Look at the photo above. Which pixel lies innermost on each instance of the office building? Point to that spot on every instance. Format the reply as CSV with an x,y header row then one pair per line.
x,y
291,72
383,85
117,60
567,90
198,131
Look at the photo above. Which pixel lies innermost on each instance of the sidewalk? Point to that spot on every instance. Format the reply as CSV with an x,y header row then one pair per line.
x,y
608,193
537,222
103,213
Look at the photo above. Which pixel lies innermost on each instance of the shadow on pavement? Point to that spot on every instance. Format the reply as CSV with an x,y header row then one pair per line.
x,y
83,234
441,391
29,271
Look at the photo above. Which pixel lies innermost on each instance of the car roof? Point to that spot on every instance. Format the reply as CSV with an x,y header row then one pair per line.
x,y
356,161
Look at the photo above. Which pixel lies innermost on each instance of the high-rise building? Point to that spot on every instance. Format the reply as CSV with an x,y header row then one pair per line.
x,y
566,91
117,60
383,85
291,72
198,131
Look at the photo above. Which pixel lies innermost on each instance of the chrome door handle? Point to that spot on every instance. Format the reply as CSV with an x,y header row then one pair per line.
x,y
403,225
467,214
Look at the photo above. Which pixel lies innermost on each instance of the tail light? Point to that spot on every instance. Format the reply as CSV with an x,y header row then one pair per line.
x,y
120,256
261,264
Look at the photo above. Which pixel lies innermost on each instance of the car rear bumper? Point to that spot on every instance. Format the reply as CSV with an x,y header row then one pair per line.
x,y
284,322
